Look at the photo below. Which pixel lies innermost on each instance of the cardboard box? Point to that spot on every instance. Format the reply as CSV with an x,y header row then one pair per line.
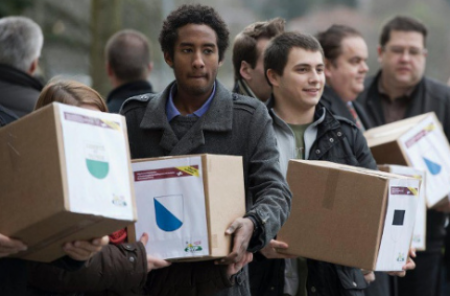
x,y
418,142
420,226
66,175
350,216
186,203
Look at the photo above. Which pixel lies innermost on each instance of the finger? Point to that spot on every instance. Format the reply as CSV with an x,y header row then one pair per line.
x,y
144,239
231,258
101,241
412,252
278,244
86,246
157,263
6,242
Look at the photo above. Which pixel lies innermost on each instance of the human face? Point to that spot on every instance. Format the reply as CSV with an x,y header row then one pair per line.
x,y
256,79
303,79
195,60
403,59
346,74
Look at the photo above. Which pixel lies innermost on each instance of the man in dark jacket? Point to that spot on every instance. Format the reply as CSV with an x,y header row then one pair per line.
x,y
248,55
306,130
21,42
6,116
399,91
128,65
196,114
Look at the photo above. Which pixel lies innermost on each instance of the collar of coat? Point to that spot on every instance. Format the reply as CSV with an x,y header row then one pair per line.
x,y
218,118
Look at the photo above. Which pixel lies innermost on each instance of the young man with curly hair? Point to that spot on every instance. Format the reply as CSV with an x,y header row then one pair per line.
x,y
197,114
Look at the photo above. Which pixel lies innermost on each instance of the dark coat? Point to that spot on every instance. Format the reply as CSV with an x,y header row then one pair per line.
x,y
333,103
6,116
233,125
19,91
117,96
348,147
429,95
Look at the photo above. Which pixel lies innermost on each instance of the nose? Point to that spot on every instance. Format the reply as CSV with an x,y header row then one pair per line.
x,y
363,68
405,56
198,62
314,77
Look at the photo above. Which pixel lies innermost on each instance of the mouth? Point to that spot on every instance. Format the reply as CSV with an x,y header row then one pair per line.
x,y
311,91
197,76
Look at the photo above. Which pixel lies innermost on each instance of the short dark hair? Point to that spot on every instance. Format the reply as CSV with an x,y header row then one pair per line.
x,y
128,54
402,23
277,52
244,48
331,40
193,14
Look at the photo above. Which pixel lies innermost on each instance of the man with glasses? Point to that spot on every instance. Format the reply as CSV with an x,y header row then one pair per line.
x,y
399,91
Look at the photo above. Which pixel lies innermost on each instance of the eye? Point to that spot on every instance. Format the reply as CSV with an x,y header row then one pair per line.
x,y
302,69
208,51
186,50
319,70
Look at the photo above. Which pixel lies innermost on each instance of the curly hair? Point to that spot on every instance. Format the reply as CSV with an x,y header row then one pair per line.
x,y
193,14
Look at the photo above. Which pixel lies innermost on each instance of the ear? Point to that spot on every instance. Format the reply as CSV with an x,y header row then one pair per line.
x,y
221,63
273,77
245,70
109,70
327,69
380,53
150,67
168,59
33,66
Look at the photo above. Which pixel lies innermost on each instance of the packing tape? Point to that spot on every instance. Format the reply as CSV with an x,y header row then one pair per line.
x,y
330,189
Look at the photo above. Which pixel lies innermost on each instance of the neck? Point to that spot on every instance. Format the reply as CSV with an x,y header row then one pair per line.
x,y
393,91
292,113
188,103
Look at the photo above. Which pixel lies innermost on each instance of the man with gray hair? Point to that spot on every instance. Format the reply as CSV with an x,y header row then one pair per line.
x,y
128,64
21,41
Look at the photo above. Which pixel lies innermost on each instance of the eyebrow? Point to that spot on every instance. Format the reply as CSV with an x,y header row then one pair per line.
x,y
308,65
203,45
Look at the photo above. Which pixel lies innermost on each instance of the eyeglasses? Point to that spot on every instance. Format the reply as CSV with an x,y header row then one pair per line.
x,y
412,51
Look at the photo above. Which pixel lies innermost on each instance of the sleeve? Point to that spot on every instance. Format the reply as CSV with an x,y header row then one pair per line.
x,y
115,268
269,189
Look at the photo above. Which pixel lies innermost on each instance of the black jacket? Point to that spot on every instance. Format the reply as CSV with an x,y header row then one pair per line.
x,y
19,91
333,103
6,116
429,95
118,95
348,147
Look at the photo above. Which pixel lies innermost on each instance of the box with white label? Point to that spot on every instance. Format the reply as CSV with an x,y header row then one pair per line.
x,y
350,216
420,226
418,142
66,175
185,204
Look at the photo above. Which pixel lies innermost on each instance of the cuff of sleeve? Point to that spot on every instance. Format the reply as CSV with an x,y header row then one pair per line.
x,y
257,239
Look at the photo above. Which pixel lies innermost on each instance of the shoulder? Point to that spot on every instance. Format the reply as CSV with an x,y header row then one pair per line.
x,y
437,89
247,104
136,103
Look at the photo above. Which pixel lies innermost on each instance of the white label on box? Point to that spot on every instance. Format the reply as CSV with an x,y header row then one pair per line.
x,y
419,233
97,163
427,148
398,224
170,199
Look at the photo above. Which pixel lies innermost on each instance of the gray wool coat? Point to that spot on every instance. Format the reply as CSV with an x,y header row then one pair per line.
x,y
233,125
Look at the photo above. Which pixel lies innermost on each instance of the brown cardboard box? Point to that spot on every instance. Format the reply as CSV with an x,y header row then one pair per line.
x,y
200,195
338,215
418,142
42,203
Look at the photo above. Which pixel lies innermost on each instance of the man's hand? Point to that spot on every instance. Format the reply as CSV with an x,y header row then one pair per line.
x,y
270,251
234,268
153,262
410,264
83,250
9,246
242,228
369,276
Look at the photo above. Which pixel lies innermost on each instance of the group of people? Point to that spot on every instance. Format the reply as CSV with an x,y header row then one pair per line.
x,y
296,96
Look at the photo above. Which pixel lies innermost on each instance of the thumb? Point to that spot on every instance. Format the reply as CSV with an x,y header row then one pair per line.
x,y
232,228
144,239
